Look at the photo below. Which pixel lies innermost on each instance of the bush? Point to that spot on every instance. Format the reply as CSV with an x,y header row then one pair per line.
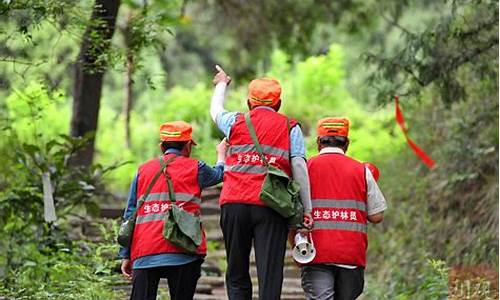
x,y
38,258
70,270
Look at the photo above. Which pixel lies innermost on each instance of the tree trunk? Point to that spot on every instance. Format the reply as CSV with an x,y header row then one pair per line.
x,y
128,100
89,73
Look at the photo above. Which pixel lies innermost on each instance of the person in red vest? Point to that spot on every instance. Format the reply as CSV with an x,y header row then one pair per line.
x,y
244,217
151,256
344,197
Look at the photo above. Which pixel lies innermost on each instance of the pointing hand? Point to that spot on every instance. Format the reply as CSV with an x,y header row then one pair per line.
x,y
221,76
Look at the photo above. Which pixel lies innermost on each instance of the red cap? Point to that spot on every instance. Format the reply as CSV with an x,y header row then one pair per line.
x,y
333,127
264,91
176,131
373,169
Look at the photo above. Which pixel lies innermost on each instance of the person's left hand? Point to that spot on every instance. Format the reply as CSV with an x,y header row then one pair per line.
x,y
126,268
222,149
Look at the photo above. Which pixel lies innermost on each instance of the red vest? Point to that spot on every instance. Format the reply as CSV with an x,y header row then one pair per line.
x,y
148,232
338,196
244,171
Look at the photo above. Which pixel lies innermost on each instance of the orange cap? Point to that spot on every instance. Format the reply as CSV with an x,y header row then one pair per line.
x,y
373,169
333,127
264,91
176,131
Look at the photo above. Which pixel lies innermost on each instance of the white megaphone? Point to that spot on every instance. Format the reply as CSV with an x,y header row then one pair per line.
x,y
303,252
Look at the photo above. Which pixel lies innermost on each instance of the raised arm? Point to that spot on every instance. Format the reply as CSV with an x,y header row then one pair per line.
x,y
221,81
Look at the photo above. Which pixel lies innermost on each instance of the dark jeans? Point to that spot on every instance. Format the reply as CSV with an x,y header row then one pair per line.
x,y
181,279
327,282
241,224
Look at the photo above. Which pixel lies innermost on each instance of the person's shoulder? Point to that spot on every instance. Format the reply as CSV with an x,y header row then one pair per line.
x,y
313,159
293,122
354,161
149,165
355,164
152,161
238,116
185,159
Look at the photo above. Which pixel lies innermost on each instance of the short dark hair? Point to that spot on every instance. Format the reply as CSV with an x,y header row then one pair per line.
x,y
173,145
333,141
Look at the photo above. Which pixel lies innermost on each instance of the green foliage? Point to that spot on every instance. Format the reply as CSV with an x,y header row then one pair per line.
x,y
71,270
28,15
466,33
449,213
431,283
315,88
36,115
34,251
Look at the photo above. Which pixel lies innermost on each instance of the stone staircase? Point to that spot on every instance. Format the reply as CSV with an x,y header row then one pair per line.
x,y
211,284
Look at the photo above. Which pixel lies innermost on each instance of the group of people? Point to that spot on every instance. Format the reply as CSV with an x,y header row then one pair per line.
x,y
339,197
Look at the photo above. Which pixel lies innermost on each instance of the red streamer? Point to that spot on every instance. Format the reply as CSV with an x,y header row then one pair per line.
x,y
418,152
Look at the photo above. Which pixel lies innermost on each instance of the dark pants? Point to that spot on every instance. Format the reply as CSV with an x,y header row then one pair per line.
x,y
181,281
241,224
326,282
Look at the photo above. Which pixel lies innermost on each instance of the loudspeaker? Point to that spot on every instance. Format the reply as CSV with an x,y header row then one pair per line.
x,y
303,252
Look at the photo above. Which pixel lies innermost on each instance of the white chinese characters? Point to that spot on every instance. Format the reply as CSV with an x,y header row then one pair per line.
x,y
325,214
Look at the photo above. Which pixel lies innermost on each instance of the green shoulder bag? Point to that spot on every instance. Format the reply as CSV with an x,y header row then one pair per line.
x,y
127,226
279,192
180,227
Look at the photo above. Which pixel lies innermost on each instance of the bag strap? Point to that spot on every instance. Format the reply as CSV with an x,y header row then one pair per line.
x,y
163,165
289,139
171,193
255,140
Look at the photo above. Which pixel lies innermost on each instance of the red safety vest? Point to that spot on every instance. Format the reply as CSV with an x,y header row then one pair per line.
x,y
244,171
148,237
338,196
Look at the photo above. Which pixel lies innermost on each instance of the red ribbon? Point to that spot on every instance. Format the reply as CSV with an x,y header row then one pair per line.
x,y
418,152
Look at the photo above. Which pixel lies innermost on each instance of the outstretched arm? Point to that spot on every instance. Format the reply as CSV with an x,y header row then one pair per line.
x,y
208,176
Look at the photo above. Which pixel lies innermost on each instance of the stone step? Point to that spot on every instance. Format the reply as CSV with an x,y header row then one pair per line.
x,y
212,287
215,235
217,254
210,221
221,254
210,209
211,193
217,281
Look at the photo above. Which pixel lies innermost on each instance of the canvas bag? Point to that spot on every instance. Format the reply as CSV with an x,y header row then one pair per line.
x,y
279,192
127,226
180,227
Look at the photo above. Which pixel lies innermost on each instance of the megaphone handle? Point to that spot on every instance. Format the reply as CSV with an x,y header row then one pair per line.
x,y
311,239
